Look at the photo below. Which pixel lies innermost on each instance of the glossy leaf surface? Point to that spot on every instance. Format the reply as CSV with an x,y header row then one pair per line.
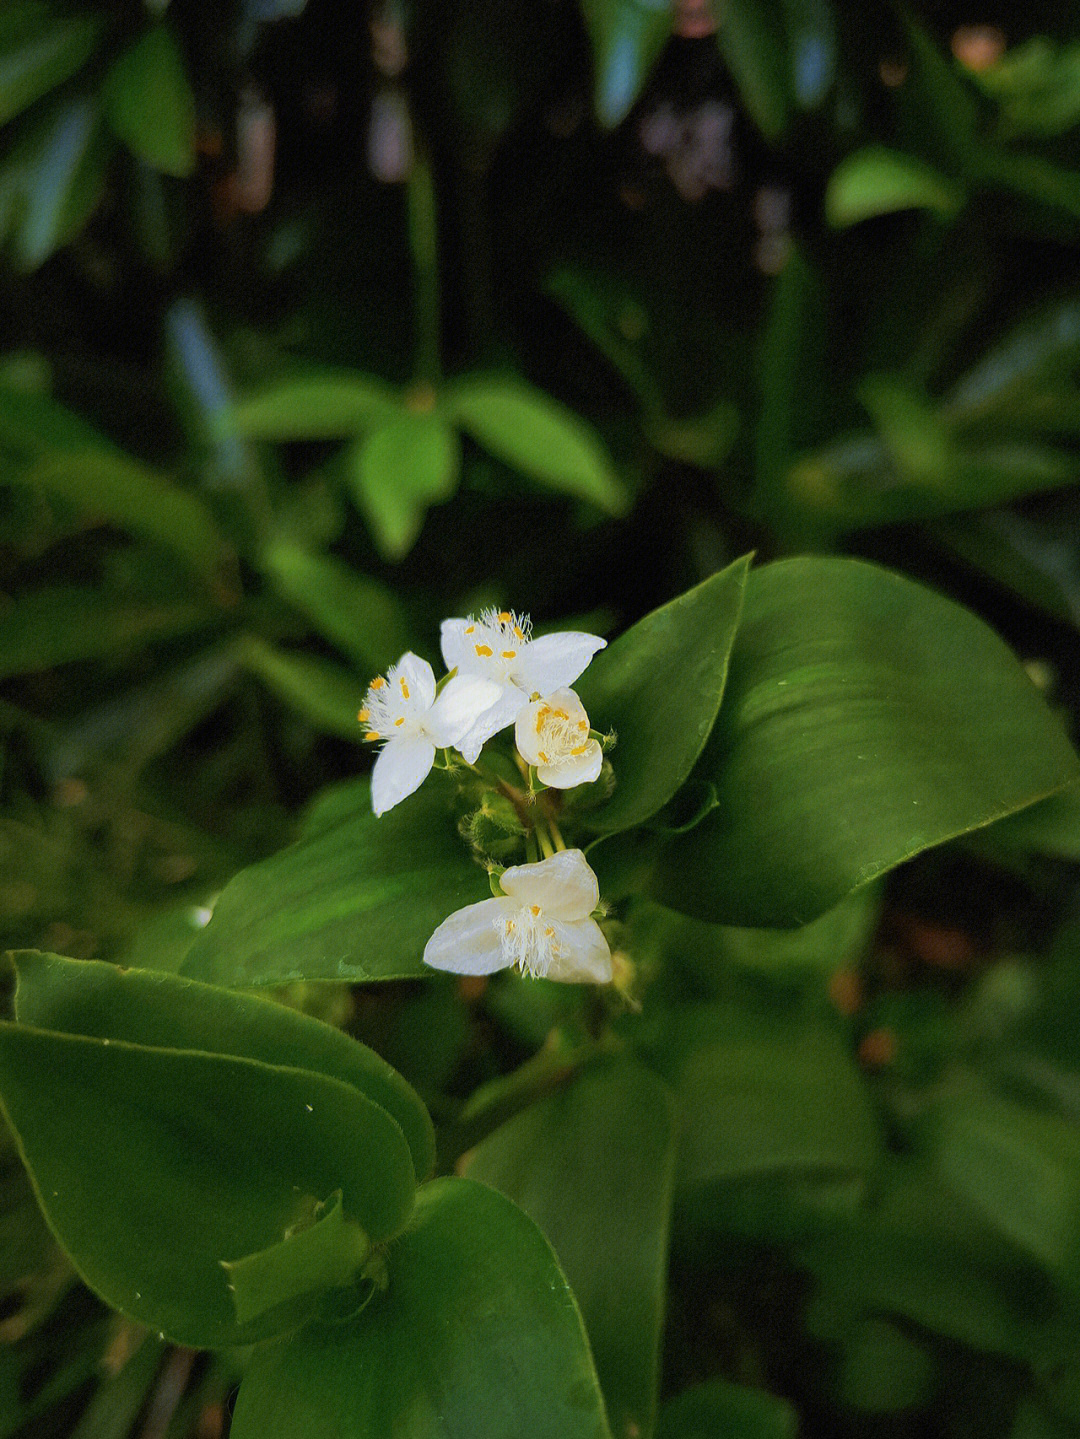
x,y
659,687
159,1010
477,1333
358,900
866,718
154,1166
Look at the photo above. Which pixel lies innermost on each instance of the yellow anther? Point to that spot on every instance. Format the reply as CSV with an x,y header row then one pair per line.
x,y
549,931
581,748
377,683
400,721
505,617
485,651
534,910
583,724
509,654
510,926
363,715
561,714
404,689
372,734
471,630
543,757
519,632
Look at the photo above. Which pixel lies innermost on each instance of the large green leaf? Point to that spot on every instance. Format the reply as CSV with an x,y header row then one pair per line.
x,y
406,464
628,37
866,719
312,407
357,900
41,54
163,1011
607,1139
156,1166
55,626
476,1334
877,181
659,686
149,102
717,1407
362,617
110,486
533,433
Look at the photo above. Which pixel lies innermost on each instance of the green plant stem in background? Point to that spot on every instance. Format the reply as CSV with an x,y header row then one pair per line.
x,y
424,248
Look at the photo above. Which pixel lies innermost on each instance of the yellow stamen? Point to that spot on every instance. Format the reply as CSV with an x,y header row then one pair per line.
x,y
485,651
562,714
549,931
534,910
363,715
372,734
580,749
519,632
543,757
404,689
400,721
510,926
377,683
505,617
471,630
583,724
509,654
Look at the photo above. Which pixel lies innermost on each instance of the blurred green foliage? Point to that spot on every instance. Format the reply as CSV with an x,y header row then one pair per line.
x,y
320,322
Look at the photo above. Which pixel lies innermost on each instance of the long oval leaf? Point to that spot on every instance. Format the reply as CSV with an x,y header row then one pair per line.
x,y
866,718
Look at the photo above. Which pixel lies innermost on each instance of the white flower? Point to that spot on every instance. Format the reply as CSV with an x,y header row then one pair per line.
x,y
403,712
543,924
553,735
498,646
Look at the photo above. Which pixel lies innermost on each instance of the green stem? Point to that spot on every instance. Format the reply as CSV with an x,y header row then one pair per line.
x,y
556,833
544,839
424,245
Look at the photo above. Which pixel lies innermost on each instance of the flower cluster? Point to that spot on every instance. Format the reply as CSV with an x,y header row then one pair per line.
x,y
543,917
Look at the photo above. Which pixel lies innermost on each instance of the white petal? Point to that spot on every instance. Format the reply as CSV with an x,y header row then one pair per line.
x,y
553,661
456,649
526,736
470,941
401,767
575,769
419,678
503,712
567,699
583,956
463,700
563,886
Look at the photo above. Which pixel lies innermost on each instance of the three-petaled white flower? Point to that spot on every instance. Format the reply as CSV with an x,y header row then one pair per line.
x,y
553,735
402,712
542,923
498,646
